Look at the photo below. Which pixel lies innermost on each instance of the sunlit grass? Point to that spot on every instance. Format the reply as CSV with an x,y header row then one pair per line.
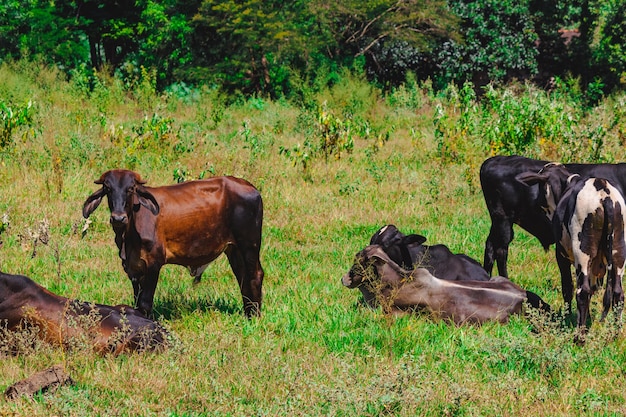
x,y
316,350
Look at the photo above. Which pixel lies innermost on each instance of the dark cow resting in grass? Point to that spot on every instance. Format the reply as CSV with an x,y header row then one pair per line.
x,y
588,216
187,224
111,329
510,201
408,251
397,290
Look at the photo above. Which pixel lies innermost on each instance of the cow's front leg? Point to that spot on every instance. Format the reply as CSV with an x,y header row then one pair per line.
x,y
136,280
144,290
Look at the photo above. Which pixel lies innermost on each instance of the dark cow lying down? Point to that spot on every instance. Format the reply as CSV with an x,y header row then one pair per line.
x,y
111,329
383,282
410,252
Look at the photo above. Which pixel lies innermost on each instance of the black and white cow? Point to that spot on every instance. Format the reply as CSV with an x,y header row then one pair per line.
x,y
511,202
588,216
409,252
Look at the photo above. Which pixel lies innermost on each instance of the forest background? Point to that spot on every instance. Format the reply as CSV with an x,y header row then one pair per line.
x,y
282,49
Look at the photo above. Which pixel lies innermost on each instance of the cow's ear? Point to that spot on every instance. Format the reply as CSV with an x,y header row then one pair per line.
x,y
414,239
92,202
531,178
379,258
147,200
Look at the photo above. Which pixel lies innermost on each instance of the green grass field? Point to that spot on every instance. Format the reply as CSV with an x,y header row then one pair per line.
x,y
316,350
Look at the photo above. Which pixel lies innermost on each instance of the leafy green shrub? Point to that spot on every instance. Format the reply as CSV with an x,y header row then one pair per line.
x,y
517,121
609,55
335,134
407,95
12,119
334,137
512,123
454,122
258,143
154,132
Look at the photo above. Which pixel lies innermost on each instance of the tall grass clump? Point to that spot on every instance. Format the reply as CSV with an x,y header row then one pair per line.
x,y
408,156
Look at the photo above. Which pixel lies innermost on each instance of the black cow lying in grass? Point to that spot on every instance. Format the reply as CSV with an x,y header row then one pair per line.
x,y
383,282
110,329
408,251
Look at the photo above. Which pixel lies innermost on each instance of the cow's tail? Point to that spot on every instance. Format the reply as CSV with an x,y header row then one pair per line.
x,y
607,230
609,212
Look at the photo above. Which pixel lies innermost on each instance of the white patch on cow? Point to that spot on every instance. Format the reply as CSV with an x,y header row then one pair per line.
x,y
383,229
588,201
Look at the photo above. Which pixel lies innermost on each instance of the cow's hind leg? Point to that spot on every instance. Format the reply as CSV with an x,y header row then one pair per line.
x,y
247,268
583,297
613,295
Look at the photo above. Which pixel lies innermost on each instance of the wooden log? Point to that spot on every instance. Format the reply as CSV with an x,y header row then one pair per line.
x,y
45,381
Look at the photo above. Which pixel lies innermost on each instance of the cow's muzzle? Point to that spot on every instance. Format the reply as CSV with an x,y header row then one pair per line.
x,y
119,219
347,281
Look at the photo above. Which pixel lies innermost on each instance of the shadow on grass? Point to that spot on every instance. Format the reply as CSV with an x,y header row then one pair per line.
x,y
173,306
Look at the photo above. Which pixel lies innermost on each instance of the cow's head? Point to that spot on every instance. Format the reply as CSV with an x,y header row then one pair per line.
x,y
395,243
125,193
553,180
364,269
387,236
360,272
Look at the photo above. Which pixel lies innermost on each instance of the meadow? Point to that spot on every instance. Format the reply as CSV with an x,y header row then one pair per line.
x,y
332,168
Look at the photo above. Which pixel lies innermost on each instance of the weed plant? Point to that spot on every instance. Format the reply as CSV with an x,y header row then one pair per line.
x,y
413,161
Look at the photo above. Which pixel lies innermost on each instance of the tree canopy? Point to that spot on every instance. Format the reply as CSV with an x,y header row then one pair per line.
x,y
269,47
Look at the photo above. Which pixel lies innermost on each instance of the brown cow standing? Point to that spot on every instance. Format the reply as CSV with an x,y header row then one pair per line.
x,y
187,224
111,329
398,290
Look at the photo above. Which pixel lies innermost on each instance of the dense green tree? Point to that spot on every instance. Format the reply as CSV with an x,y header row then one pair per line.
x,y
550,18
240,44
499,43
282,48
110,27
393,35
609,50
164,32
34,29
